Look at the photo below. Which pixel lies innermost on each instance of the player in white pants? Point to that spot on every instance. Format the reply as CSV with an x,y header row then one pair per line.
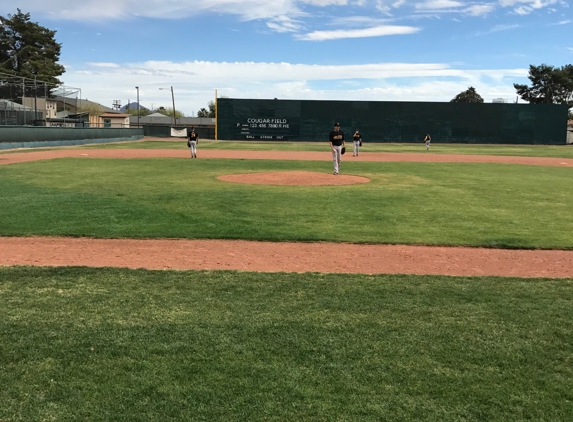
x,y
336,138
336,156
357,140
193,141
427,141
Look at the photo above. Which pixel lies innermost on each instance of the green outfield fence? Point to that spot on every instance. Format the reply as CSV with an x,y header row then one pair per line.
x,y
39,136
381,121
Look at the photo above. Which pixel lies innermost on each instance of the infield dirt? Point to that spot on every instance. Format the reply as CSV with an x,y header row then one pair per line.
x,y
287,257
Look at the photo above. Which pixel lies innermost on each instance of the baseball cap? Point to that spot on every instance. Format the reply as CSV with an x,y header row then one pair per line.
x,y
337,124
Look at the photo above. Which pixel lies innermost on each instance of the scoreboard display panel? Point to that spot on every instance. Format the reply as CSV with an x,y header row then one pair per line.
x,y
264,129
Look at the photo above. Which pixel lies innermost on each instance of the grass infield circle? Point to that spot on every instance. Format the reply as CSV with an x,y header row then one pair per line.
x,y
294,178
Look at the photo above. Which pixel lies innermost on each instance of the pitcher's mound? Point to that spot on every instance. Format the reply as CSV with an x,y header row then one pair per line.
x,y
294,178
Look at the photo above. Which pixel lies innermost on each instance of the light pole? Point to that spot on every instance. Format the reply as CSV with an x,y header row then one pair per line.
x,y
35,100
137,105
173,98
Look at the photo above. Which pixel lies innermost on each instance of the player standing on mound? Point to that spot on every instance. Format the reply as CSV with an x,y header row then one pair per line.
x,y
336,139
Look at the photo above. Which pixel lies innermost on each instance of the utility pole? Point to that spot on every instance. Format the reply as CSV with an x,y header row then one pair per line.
x,y
35,99
173,98
216,118
137,105
23,99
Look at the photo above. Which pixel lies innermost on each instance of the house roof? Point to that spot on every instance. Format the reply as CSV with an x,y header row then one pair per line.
x,y
82,103
122,115
132,106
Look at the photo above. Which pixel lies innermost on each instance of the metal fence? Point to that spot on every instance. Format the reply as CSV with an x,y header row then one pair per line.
x,y
13,114
23,101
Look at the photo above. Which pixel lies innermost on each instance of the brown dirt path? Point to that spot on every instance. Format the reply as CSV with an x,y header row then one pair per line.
x,y
287,257
19,157
283,257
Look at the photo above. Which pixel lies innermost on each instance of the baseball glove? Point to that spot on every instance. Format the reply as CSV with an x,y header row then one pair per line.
x,y
343,150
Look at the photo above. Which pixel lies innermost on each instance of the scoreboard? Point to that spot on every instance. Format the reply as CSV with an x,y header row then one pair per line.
x,y
265,129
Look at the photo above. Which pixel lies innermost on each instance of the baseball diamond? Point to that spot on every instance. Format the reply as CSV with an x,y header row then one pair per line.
x,y
251,283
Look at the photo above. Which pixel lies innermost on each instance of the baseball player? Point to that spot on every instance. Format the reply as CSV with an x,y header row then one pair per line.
x,y
357,141
336,139
193,142
427,141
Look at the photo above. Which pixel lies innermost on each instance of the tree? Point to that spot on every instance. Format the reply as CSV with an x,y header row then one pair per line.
x,y
211,106
203,112
468,96
142,111
29,50
168,112
549,85
210,110
93,109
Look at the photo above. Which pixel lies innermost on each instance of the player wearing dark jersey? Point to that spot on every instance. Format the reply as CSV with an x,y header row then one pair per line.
x,y
357,141
193,141
336,139
427,141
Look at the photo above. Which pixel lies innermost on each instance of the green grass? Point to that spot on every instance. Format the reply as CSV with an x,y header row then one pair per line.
x,y
118,345
558,151
409,203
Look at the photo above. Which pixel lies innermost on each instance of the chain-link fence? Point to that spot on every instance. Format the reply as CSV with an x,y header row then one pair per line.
x,y
26,101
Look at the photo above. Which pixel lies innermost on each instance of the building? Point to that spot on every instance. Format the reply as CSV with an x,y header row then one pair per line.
x,y
110,119
46,108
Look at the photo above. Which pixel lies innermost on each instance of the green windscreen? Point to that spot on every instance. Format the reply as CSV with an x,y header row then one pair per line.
x,y
386,121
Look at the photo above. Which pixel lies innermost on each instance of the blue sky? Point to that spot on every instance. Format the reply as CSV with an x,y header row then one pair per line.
x,y
384,50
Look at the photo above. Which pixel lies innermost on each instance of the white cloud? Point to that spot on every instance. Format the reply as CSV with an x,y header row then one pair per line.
x,y
499,28
284,24
536,4
523,10
376,81
385,6
87,10
326,2
108,65
438,4
357,21
279,15
377,31
480,9
525,7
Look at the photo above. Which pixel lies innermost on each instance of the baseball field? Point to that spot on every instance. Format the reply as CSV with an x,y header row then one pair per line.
x,y
252,284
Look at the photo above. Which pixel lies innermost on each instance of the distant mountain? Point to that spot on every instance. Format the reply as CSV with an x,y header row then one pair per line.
x,y
132,106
